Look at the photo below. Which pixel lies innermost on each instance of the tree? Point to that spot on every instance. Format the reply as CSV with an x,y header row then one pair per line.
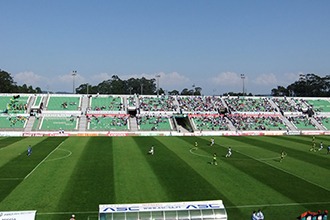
x,y
186,91
198,90
280,91
309,85
7,84
174,92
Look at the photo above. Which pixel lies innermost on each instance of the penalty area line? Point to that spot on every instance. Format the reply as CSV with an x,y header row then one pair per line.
x,y
42,161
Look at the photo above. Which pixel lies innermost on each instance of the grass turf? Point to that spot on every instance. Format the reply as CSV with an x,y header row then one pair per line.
x,y
76,174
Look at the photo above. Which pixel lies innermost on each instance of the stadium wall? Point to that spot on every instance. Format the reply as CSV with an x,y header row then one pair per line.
x,y
161,133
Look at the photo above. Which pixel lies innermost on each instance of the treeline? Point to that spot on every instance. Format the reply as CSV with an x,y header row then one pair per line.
x,y
7,85
143,86
308,85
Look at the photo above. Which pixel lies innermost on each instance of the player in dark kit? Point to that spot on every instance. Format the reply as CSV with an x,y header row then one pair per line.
x,y
29,150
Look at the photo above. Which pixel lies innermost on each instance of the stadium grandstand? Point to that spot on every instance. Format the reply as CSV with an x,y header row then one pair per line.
x,y
97,114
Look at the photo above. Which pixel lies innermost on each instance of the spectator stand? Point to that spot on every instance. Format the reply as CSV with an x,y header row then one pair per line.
x,y
200,104
154,122
63,103
13,111
14,103
108,122
285,104
56,122
320,105
249,104
131,102
106,104
209,122
258,122
302,122
324,121
13,122
153,104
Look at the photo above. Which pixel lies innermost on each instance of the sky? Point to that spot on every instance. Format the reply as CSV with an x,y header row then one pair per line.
x,y
206,43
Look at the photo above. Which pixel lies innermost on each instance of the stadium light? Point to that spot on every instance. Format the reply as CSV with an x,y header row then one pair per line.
x,y
157,76
243,78
74,74
141,88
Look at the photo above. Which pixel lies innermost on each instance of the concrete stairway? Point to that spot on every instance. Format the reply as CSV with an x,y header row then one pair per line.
x,y
133,124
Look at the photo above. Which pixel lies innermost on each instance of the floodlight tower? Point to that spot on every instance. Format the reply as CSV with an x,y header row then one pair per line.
x,y
74,74
243,79
157,76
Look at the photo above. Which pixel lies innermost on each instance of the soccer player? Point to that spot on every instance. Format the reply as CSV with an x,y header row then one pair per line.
x,y
215,159
196,144
254,215
260,215
283,154
321,146
328,150
73,217
212,142
29,150
313,148
229,152
151,151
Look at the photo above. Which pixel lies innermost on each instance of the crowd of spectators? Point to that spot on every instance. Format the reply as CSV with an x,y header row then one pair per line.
x,y
154,122
285,104
247,104
131,101
65,104
200,103
210,122
107,104
15,105
160,103
14,120
324,121
301,121
257,122
106,121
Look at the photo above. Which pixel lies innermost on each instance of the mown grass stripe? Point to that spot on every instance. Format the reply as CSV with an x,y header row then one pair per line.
x,y
91,182
4,142
22,165
270,144
178,179
292,186
134,179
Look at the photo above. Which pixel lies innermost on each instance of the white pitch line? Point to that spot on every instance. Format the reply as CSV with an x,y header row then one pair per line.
x,y
192,151
278,205
43,161
201,155
63,157
263,161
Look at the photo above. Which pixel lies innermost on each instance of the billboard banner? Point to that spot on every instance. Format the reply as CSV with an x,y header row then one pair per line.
x,y
171,206
18,215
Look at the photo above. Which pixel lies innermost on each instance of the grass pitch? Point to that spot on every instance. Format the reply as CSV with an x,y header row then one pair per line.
x,y
76,174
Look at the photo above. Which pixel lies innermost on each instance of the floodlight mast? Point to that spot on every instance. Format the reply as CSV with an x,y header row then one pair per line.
x,y
157,76
243,79
74,74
